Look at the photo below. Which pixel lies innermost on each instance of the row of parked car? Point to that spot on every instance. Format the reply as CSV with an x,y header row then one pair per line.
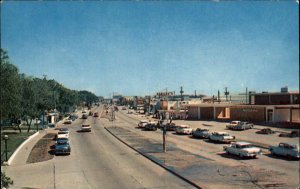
x,y
242,149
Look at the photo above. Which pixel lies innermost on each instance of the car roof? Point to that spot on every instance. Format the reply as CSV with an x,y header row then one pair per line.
x,y
63,129
242,143
221,132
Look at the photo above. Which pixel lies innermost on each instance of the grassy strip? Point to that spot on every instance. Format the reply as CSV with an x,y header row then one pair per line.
x,y
13,142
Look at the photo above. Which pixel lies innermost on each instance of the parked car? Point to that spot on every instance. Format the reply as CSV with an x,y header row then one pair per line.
x,y
184,129
286,149
242,149
63,129
291,134
62,146
242,126
86,127
232,124
171,127
223,137
151,126
142,123
201,133
124,108
62,134
96,114
265,131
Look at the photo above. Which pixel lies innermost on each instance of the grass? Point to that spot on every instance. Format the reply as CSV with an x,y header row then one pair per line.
x,y
13,142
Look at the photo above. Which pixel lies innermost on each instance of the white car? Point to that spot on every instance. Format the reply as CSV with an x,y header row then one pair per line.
x,y
285,149
223,137
86,127
143,123
184,129
242,149
63,134
232,124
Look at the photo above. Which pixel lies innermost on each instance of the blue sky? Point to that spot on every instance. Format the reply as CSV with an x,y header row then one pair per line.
x,y
140,48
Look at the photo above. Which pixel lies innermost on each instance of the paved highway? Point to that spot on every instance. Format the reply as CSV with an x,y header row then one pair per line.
x,y
97,160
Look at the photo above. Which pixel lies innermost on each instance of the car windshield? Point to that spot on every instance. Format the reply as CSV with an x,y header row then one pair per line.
x,y
62,132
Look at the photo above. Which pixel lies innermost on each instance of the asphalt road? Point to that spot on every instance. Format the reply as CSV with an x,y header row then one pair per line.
x,y
97,160
214,151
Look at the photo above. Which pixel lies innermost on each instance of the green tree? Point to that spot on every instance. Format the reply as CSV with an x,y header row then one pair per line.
x,y
10,93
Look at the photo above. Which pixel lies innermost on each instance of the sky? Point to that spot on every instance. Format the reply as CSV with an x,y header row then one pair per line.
x,y
140,48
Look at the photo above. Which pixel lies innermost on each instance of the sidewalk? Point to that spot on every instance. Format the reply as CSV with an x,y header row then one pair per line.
x,y
22,154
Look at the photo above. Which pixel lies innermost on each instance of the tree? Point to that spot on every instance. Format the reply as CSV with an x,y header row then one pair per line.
x,y
10,93
5,181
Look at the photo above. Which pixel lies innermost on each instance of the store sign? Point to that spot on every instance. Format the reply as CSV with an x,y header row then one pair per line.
x,y
165,94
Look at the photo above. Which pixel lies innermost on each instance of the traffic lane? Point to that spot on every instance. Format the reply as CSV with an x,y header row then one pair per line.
x,y
103,160
140,168
215,150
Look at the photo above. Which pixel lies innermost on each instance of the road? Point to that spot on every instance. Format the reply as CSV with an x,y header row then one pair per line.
x,y
215,151
97,160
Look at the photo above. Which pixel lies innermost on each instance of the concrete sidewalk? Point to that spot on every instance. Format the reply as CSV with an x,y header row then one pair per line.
x,y
21,155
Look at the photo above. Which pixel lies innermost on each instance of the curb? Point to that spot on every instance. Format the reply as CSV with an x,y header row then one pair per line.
x,y
19,148
157,163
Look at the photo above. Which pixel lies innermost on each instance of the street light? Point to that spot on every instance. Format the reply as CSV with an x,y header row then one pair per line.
x,y
5,141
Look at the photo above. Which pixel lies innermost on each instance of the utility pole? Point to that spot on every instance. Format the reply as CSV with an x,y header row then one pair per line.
x,y
246,95
226,93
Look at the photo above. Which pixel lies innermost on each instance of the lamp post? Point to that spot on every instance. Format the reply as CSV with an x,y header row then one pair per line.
x,y
5,141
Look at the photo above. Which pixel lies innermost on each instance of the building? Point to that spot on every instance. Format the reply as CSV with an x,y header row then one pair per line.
x,y
277,107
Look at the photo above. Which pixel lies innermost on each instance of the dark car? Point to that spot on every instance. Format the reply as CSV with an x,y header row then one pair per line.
x,y
84,116
62,146
150,127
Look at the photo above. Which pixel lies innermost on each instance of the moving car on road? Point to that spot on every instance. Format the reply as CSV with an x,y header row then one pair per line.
x,y
201,133
184,129
62,146
86,127
223,137
96,114
62,134
286,149
242,149
68,121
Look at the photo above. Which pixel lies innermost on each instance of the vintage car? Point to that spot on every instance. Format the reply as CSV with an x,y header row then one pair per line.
x,y
184,129
232,124
151,126
223,137
86,127
286,149
242,149
142,123
68,121
62,134
265,131
201,133
84,116
62,146
96,114
242,126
